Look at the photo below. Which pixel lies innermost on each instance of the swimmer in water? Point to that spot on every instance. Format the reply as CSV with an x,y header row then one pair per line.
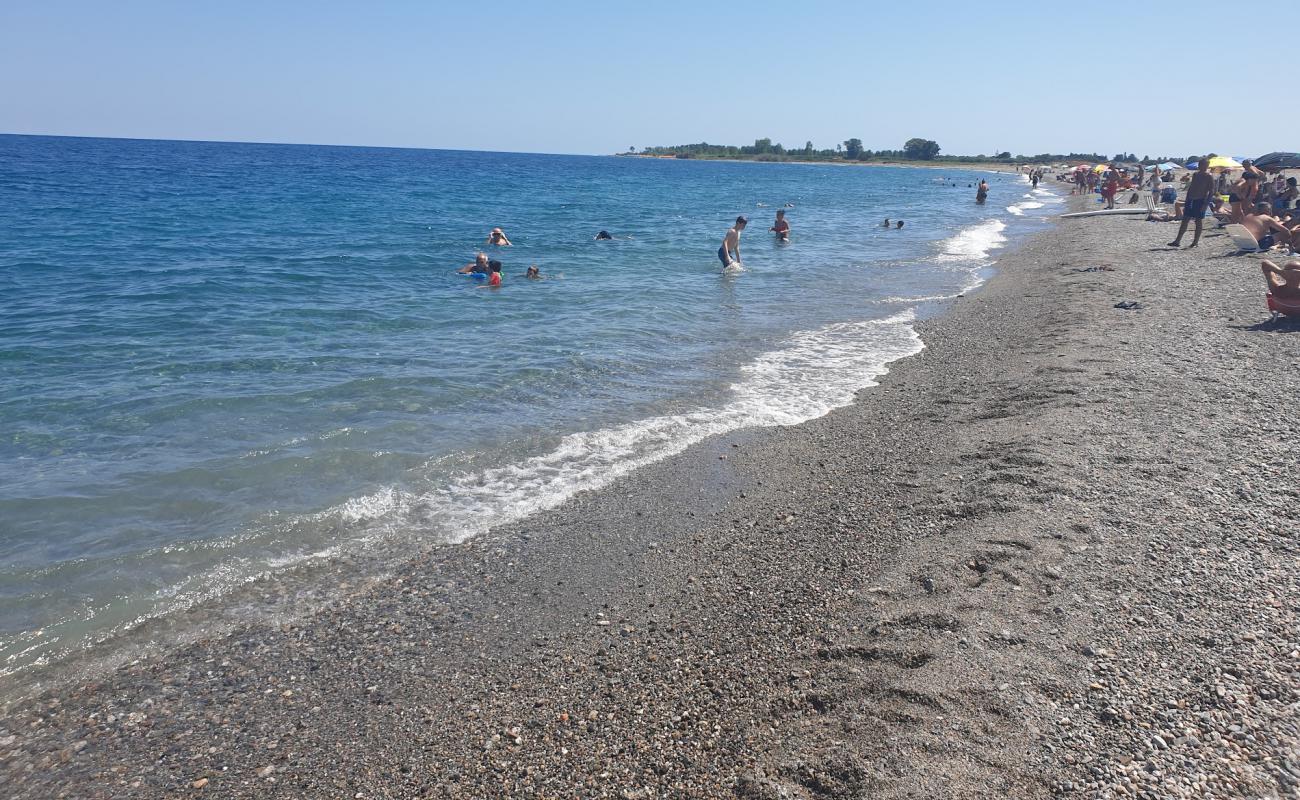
x,y
900,225
731,243
886,223
498,237
982,193
781,228
494,278
533,272
480,265
603,235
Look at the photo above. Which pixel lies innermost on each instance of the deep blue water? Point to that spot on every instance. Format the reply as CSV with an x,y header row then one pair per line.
x,y
219,360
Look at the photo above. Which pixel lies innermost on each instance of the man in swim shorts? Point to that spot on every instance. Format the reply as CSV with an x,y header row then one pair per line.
x,y
731,243
781,228
1267,229
1198,197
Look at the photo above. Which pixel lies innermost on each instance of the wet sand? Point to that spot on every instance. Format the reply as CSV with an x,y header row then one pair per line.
x,y
1053,554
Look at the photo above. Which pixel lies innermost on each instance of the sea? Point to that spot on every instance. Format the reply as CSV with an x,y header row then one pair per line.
x,y
222,365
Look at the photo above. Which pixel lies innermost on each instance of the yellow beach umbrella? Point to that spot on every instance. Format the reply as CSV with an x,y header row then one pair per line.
x,y
1101,168
1224,162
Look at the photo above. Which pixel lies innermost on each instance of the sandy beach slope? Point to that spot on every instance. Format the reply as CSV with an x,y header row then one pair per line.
x,y
1054,554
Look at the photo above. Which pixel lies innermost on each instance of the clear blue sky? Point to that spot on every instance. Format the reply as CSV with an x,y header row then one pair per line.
x,y
570,77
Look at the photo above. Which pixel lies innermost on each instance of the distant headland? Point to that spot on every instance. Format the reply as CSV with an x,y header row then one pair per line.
x,y
916,151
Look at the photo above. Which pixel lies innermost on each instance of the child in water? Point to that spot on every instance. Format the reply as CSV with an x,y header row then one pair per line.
x,y
494,276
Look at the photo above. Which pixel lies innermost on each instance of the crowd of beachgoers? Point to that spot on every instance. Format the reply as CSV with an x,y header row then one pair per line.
x,y
1253,200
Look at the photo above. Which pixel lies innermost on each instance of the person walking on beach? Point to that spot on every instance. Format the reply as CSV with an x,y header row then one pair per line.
x,y
1111,187
1198,197
781,228
731,243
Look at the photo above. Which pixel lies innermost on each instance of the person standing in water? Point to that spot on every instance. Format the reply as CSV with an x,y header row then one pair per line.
x,y
982,193
480,265
731,243
781,228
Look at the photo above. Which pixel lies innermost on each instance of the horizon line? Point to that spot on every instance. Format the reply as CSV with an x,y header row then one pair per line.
x,y
293,144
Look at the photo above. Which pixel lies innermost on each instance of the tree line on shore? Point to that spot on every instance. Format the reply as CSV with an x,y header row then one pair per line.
x,y
915,149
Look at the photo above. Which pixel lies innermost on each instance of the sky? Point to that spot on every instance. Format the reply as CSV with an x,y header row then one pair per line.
x,y
600,77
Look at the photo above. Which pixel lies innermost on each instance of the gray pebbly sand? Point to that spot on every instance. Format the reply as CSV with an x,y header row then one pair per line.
x,y
1054,554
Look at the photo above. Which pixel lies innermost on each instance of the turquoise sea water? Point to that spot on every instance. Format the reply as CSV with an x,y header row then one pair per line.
x,y
220,361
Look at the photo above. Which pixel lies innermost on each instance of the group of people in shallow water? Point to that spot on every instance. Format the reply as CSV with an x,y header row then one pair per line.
x,y
491,267
729,251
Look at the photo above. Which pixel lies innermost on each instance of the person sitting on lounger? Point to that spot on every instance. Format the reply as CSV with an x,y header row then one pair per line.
x,y
1283,281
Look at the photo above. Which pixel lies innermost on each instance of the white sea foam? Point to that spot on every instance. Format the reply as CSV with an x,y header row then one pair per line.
x,y
812,373
1019,209
975,242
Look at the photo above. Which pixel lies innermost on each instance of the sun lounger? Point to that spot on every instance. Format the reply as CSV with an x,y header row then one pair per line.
x,y
1242,238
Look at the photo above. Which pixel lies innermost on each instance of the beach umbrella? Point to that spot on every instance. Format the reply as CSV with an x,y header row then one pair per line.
x,y
1168,165
1276,162
1101,168
1224,162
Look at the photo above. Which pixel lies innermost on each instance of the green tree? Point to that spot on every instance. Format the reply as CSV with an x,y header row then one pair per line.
x,y
853,149
921,149
808,148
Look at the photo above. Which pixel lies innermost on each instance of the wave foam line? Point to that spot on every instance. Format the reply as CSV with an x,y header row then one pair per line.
x,y
812,374
975,242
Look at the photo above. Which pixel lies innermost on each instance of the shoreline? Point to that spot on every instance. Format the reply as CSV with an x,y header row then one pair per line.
x,y
977,166
913,593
